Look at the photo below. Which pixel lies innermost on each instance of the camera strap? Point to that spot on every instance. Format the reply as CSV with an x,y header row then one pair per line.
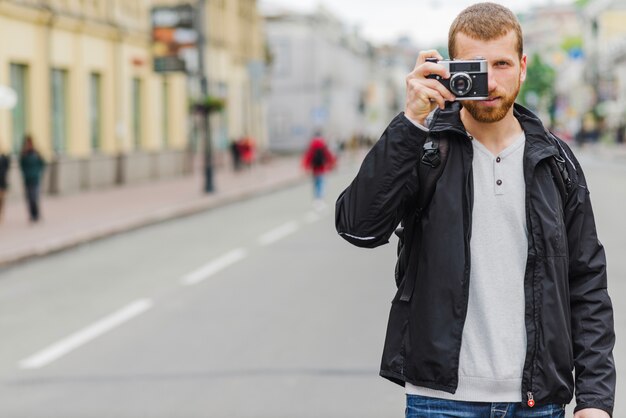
x,y
560,171
434,156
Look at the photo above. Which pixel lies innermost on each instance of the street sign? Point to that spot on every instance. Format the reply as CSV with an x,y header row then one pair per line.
x,y
168,64
319,115
173,34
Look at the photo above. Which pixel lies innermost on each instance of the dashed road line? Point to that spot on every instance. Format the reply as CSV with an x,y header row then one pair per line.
x,y
312,217
74,341
214,266
278,233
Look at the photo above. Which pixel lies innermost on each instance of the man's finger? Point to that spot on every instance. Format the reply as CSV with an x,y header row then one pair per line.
x,y
426,95
431,53
429,68
443,91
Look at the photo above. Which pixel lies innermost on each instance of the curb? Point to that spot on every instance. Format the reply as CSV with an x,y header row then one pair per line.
x,y
160,215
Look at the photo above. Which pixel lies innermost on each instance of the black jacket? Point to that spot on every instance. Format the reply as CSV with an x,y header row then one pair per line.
x,y
5,163
569,316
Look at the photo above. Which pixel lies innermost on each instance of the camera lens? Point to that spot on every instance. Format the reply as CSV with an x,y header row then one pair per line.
x,y
460,84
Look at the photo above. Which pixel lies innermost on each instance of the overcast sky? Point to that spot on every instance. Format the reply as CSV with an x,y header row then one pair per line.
x,y
426,21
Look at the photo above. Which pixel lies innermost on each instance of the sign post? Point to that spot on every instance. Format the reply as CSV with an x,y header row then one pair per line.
x,y
179,42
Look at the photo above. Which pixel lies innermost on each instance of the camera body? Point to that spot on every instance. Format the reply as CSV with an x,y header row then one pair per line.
x,y
468,78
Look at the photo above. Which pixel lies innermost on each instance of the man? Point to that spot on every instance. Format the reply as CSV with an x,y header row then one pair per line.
x,y
319,160
32,166
503,292
5,163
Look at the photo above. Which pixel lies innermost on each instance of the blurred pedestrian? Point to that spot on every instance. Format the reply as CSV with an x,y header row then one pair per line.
x,y
247,150
620,133
319,160
32,166
502,281
5,163
235,154
589,132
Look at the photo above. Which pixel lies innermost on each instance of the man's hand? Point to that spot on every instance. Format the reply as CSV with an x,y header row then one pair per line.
x,y
591,413
424,94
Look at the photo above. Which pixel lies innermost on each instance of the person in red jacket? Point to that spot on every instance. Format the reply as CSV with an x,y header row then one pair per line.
x,y
319,160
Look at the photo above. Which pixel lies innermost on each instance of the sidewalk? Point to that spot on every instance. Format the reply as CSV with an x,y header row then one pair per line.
x,y
68,221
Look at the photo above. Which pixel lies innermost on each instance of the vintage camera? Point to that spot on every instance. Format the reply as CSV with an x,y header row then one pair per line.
x,y
468,78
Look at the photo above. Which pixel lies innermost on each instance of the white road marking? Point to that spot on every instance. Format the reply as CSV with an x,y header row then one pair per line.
x,y
214,266
278,233
63,347
312,217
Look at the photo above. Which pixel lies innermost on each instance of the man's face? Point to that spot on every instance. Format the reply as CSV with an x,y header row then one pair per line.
x,y
506,74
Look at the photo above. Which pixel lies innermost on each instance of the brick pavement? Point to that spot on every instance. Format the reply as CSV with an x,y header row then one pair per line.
x,y
68,221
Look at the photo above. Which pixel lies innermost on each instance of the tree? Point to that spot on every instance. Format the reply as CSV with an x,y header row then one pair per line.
x,y
581,4
539,85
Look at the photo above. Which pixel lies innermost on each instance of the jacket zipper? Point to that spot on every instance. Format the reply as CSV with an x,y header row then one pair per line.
x,y
469,202
529,394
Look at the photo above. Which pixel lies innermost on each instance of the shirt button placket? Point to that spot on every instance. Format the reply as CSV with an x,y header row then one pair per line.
x,y
498,176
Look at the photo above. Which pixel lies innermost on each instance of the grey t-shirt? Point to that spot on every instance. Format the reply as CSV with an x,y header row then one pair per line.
x,y
493,347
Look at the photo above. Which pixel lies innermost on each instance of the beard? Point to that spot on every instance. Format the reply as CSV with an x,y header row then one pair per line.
x,y
492,114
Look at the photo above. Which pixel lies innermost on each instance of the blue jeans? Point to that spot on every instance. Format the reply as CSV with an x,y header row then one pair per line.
x,y
32,197
318,186
424,407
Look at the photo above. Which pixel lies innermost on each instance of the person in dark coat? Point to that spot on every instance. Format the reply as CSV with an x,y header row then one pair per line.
x,y
502,280
620,133
235,154
32,166
5,164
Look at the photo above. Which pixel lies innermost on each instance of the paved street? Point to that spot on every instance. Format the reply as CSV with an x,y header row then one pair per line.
x,y
255,309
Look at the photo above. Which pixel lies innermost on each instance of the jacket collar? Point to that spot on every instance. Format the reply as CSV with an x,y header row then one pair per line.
x,y
538,145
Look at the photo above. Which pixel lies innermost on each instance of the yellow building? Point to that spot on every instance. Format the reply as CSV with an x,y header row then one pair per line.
x,y
88,94
236,61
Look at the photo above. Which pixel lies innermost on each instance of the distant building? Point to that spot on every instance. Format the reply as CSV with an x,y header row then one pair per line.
x,y
318,79
587,48
386,91
605,47
555,34
236,69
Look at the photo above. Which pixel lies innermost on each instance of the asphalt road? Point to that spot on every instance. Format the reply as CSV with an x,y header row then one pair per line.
x,y
257,309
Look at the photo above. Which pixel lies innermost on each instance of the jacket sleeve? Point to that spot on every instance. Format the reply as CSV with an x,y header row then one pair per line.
x,y
369,210
593,334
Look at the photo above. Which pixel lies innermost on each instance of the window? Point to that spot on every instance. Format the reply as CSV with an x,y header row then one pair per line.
x,y
137,116
281,53
95,111
19,114
58,109
165,117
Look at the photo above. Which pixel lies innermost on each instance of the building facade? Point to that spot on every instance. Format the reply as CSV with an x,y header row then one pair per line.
x,y
318,77
386,91
560,47
586,46
236,67
605,53
88,94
